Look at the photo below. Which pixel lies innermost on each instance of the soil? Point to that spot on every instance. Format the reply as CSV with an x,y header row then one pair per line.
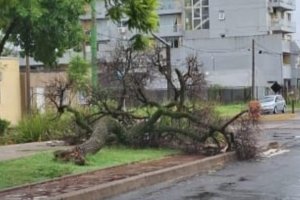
x,y
68,184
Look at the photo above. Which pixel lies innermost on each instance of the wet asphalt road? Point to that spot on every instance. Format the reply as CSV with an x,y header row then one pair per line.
x,y
267,178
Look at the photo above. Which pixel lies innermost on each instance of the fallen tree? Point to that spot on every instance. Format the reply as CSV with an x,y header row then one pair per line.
x,y
180,122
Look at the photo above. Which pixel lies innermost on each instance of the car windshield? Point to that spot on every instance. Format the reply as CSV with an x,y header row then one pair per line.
x,y
266,99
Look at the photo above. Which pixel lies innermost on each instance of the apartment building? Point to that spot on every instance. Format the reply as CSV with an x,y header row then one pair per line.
x,y
220,33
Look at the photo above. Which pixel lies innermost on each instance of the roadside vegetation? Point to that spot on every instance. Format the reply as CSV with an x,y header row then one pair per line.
x,y
37,127
42,167
43,127
229,110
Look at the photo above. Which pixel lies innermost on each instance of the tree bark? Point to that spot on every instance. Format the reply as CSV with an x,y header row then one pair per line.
x,y
94,144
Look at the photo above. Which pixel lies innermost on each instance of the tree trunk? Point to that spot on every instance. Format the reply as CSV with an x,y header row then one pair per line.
x,y
94,144
97,139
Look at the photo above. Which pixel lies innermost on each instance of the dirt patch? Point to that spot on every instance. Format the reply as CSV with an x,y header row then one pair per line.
x,y
74,183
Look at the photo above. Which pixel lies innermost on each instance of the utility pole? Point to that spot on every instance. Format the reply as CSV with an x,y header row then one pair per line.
x,y
168,63
28,96
27,50
253,95
169,71
93,42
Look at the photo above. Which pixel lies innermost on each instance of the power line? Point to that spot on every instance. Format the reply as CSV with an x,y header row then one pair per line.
x,y
268,51
215,50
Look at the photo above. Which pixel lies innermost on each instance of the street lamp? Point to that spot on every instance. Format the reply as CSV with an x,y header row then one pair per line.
x,y
253,96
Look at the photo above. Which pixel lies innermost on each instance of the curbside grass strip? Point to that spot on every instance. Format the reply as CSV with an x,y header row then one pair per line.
x,y
114,188
278,117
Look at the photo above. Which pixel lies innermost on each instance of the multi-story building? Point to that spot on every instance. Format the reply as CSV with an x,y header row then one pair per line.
x,y
221,33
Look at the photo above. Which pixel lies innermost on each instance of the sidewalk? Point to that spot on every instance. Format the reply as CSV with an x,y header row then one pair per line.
x,y
9,152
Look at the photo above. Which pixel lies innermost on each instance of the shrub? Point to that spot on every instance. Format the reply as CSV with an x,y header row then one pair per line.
x,y
31,128
41,127
60,127
4,124
245,139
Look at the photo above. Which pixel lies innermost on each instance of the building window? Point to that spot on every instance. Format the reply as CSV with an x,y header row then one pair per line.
x,y
298,62
196,14
221,15
122,23
175,42
289,16
286,58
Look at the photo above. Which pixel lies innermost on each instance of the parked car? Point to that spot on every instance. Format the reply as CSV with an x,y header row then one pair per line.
x,y
273,104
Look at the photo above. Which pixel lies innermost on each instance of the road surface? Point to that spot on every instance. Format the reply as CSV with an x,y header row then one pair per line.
x,y
275,176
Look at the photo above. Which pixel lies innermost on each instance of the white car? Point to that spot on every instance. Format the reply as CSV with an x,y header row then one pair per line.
x,y
272,104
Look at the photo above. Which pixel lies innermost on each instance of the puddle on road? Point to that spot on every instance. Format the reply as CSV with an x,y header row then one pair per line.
x,y
203,196
226,186
242,178
273,152
281,134
285,135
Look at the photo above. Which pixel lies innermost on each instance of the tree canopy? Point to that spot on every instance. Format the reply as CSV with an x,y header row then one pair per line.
x,y
141,13
42,29
45,29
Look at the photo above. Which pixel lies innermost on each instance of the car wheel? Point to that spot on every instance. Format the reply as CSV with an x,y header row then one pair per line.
x,y
283,110
275,110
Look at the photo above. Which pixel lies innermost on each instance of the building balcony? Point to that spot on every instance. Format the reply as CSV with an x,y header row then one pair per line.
x,y
283,4
170,30
296,75
283,26
286,46
170,7
286,71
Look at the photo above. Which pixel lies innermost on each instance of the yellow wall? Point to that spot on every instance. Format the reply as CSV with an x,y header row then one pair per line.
x,y
10,95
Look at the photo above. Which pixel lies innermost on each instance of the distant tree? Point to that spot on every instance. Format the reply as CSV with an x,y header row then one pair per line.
x,y
45,29
141,13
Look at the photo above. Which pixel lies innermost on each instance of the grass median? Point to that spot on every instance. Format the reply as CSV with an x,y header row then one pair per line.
x,y
229,110
42,167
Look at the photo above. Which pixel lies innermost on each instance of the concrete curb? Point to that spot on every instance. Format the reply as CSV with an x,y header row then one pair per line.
x,y
125,185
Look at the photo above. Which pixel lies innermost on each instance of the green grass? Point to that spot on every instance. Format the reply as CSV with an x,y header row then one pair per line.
x,y
230,110
296,106
41,166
